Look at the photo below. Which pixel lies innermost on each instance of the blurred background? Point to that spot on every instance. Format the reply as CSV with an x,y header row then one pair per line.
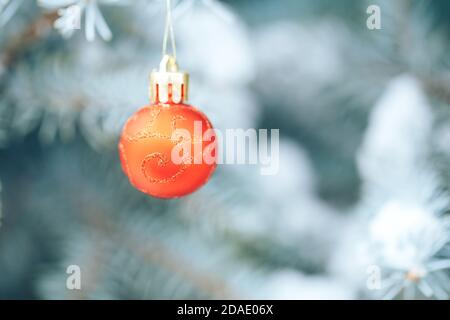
x,y
357,210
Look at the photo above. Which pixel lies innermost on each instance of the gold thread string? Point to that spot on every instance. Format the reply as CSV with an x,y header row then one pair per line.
x,y
168,31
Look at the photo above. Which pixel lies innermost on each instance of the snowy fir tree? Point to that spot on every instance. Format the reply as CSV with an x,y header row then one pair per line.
x,y
359,205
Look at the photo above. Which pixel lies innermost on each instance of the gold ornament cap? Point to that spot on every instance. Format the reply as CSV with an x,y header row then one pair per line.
x,y
168,84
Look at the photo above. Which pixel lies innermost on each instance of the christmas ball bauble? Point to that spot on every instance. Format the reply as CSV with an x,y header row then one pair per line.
x,y
167,150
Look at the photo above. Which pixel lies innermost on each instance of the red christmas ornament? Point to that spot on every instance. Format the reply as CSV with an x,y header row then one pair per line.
x,y
168,148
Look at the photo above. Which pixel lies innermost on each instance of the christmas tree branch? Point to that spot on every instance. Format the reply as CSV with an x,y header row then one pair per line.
x,y
438,88
19,44
154,252
92,271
